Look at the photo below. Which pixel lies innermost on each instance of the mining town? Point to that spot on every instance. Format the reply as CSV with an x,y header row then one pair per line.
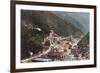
x,y
59,48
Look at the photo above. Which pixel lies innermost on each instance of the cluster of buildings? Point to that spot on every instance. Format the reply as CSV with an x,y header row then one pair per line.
x,y
61,48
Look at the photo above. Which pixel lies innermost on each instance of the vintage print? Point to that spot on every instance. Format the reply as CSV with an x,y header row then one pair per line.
x,y
54,36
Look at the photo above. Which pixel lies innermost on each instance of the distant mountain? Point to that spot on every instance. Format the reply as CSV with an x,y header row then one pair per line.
x,y
78,19
84,42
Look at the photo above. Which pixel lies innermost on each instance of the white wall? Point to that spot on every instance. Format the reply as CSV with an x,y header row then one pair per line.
x,y
5,37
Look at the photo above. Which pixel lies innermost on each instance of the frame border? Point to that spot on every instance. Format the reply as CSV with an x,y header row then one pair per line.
x,y
13,35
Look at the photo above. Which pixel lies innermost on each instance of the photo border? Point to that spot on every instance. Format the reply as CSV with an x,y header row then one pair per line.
x,y
13,35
